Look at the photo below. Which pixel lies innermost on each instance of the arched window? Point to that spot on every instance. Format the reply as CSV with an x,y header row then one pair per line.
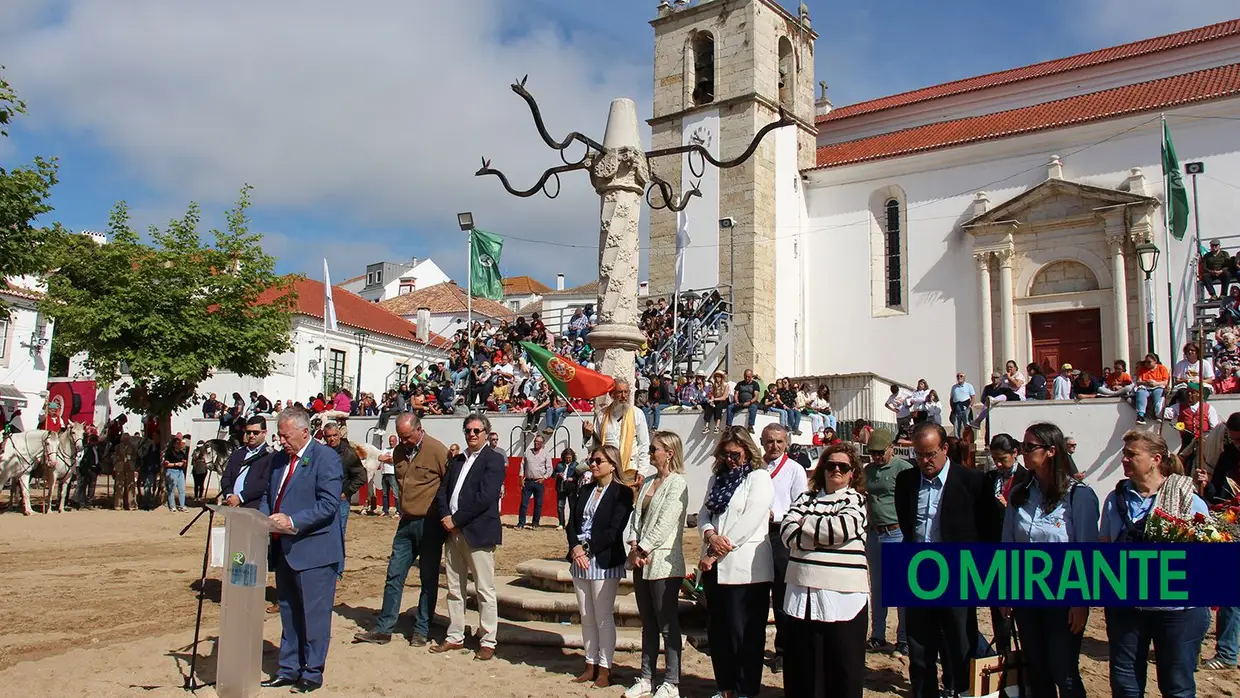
x,y
787,74
703,68
891,245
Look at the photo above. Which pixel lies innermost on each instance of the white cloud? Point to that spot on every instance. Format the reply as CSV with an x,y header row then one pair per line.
x,y
1108,22
375,112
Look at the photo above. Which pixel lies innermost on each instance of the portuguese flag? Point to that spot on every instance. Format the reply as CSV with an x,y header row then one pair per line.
x,y
569,379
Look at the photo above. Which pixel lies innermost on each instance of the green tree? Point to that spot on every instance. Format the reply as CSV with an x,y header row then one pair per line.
x,y
157,319
25,248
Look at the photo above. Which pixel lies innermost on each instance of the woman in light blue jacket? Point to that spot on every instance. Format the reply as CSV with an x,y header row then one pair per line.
x,y
655,536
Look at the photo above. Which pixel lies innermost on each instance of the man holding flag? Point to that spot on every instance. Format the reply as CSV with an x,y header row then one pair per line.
x,y
619,424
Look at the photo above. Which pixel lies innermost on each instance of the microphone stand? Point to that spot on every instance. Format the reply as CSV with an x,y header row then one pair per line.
x,y
191,684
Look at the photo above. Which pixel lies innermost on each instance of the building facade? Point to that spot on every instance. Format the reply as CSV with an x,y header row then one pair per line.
x,y
386,280
25,351
994,218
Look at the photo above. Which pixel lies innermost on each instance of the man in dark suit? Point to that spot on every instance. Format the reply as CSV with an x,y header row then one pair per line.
x,y
468,499
307,549
942,502
247,476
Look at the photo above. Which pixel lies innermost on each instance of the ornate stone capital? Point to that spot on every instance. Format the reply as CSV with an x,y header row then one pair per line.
x,y
983,261
1004,257
620,168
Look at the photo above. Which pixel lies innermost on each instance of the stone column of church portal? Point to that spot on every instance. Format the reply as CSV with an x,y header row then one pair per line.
x,y
1007,309
619,175
987,338
1119,286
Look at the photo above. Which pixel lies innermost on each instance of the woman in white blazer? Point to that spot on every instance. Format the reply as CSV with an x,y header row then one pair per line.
x,y
655,536
736,562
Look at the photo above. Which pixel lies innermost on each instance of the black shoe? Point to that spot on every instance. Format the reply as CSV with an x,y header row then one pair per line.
x,y
374,637
278,682
777,664
304,686
416,640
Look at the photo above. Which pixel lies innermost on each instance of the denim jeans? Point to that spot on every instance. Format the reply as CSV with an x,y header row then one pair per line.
x,y
733,408
1143,397
342,512
794,418
535,489
390,487
417,539
175,481
874,540
1052,652
961,415
563,495
555,415
653,412
1227,647
1177,635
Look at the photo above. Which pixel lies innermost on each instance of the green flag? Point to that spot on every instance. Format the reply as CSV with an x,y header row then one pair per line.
x,y
1173,183
484,277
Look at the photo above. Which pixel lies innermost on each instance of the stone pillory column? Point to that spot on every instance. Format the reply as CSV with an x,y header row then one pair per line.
x,y
619,176
620,173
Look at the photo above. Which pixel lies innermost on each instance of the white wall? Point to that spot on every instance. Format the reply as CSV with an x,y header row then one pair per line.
x,y
701,269
790,260
22,366
939,336
1097,425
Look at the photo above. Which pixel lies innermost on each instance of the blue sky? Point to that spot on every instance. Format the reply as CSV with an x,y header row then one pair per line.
x,y
361,125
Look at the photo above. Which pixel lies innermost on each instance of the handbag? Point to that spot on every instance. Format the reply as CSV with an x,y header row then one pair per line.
x,y
994,675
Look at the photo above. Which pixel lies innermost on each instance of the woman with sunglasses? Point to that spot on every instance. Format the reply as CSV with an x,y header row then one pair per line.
x,y
1004,450
655,537
597,553
828,581
736,562
1049,505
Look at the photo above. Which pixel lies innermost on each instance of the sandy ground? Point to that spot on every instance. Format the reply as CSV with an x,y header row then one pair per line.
x,y
102,603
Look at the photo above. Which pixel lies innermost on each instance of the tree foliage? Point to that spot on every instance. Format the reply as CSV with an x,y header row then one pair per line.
x,y
25,248
157,318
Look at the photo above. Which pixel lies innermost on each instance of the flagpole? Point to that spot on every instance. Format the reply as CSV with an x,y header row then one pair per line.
x,y
469,294
1167,233
675,322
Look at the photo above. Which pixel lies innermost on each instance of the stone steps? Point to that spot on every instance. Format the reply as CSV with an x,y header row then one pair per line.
x,y
520,601
553,575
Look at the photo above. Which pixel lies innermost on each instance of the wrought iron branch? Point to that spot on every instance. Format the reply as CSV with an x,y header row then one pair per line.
x,y
590,143
668,194
550,175
705,156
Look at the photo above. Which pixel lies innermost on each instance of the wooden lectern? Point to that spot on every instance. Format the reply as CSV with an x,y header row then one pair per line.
x,y
239,652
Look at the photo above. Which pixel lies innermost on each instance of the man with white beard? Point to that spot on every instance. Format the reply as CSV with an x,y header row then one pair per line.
x,y
625,428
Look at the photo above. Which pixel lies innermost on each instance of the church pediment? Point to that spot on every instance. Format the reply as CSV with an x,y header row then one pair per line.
x,y
1051,201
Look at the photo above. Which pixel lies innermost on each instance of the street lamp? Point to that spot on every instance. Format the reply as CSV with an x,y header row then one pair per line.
x,y
318,352
465,220
1147,260
361,338
729,224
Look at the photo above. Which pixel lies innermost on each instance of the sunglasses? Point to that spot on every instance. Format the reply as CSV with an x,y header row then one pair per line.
x,y
1028,448
733,456
472,432
251,432
834,467
597,461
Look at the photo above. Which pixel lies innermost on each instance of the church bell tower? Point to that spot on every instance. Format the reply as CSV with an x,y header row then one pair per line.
x,y
722,71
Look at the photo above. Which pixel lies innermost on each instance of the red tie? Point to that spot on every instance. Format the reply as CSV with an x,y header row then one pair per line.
x,y
292,467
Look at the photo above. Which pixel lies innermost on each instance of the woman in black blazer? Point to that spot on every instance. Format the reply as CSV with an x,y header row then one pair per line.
x,y
597,553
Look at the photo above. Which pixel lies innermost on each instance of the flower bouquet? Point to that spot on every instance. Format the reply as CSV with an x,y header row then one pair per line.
x,y
1164,527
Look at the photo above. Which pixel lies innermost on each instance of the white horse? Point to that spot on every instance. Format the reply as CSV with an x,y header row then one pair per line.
x,y
62,462
369,456
26,450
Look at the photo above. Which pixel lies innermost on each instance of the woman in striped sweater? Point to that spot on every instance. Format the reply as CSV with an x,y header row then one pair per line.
x,y
828,580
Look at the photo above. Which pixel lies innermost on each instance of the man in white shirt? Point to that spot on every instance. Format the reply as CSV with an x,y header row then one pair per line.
x,y
789,480
623,426
383,483
898,403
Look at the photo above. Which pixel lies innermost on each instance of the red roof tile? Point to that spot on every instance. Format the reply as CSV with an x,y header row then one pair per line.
x,y
9,289
352,310
524,286
1155,95
444,298
1037,70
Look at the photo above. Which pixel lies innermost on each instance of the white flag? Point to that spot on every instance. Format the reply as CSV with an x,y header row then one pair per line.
x,y
329,305
682,241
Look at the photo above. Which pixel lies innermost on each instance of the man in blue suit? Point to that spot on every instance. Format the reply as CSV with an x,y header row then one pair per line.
x,y
307,549
468,499
247,477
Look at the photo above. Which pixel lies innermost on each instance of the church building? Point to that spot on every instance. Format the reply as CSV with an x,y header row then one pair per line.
x,y
952,228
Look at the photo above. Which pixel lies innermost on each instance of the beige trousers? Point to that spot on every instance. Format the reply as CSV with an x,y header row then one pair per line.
x,y
460,560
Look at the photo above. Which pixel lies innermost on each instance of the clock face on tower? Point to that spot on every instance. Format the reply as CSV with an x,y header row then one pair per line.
x,y
701,136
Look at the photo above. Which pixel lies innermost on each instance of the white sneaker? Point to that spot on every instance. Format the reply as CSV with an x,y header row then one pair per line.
x,y
667,690
641,689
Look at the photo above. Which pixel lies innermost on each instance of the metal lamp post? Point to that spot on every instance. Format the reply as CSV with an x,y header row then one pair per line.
x,y
361,338
318,351
465,220
729,224
1147,260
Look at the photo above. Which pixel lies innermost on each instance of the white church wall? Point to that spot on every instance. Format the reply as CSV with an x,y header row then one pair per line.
x,y
24,364
942,276
702,257
789,257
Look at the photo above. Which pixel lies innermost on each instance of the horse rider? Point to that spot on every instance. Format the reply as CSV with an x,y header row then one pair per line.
x,y
124,460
